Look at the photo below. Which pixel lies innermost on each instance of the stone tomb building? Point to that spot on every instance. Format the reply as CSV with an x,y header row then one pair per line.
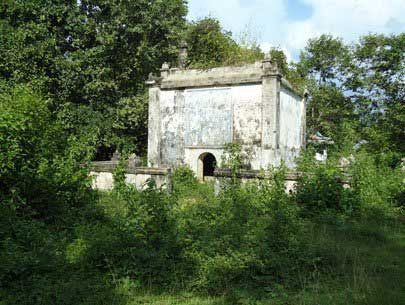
x,y
193,113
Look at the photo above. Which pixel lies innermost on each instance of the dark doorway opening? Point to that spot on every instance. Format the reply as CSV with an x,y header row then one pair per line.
x,y
209,163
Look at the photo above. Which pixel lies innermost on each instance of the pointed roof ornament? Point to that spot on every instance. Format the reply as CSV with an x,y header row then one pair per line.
x,y
165,66
183,54
164,71
268,64
267,57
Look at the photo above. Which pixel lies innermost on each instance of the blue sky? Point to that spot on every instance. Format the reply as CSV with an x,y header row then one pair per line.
x,y
289,24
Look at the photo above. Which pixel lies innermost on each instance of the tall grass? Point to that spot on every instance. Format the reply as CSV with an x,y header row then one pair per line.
x,y
250,244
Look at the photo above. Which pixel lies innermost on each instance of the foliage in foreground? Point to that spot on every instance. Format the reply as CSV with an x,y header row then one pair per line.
x,y
251,244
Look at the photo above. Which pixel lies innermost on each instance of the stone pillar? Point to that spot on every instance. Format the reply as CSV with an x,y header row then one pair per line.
x,y
182,61
271,82
304,119
154,127
180,104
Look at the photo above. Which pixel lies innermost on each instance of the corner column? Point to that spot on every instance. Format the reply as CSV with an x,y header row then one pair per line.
x,y
304,120
271,82
154,127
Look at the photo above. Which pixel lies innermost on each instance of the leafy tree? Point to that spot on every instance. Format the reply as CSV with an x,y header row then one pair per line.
x,y
376,83
324,59
210,45
360,85
41,167
322,64
278,56
33,37
94,54
329,110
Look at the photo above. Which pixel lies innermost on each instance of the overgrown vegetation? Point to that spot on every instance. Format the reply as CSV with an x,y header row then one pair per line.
x,y
250,244
72,89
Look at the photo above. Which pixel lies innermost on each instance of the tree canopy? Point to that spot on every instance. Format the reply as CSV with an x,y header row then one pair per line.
x,y
93,57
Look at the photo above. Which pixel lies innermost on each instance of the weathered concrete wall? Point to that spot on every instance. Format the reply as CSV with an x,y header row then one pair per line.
x,y
222,176
102,173
247,114
208,117
215,77
199,111
104,181
247,122
154,127
290,119
172,127
290,126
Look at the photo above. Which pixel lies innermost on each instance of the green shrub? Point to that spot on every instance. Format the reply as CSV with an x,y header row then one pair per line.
x,y
377,185
319,191
41,165
374,187
183,178
45,189
149,235
246,236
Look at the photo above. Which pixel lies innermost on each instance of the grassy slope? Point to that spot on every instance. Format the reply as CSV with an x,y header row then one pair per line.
x,y
370,269
365,264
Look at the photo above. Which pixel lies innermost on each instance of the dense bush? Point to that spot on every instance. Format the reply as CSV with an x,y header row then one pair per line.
x,y
40,163
321,191
245,237
44,190
373,187
62,244
377,185
183,179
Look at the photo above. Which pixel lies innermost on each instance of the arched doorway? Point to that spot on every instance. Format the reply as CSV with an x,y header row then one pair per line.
x,y
206,166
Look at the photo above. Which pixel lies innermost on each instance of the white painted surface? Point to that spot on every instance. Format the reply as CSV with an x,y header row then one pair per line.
x,y
171,125
290,126
201,120
102,180
208,117
290,120
247,114
105,181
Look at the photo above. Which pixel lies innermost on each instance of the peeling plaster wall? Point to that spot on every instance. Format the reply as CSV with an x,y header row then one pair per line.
x,y
154,127
247,122
105,180
290,126
102,180
171,127
192,112
208,117
247,116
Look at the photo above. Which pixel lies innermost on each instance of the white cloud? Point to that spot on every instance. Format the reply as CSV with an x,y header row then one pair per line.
x,y
345,18
263,16
348,19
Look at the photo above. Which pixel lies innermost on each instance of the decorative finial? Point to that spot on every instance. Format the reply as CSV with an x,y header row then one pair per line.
x,y
116,156
183,54
165,66
267,57
267,62
164,71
